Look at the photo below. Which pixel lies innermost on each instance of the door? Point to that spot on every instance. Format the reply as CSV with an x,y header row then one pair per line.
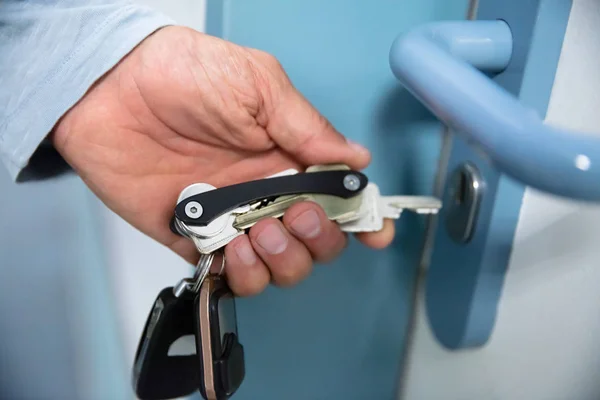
x,y
341,334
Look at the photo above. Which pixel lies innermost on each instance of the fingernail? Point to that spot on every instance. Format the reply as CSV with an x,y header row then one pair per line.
x,y
272,239
307,225
359,148
245,253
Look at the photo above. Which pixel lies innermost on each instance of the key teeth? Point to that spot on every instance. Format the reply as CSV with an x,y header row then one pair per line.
x,y
392,216
426,211
349,228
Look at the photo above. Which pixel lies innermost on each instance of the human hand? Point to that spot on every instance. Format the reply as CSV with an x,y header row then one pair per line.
x,y
184,107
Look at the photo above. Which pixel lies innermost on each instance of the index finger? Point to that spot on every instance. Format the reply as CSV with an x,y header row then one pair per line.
x,y
298,127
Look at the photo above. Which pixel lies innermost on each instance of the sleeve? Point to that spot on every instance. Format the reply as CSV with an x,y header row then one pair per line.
x,y
51,53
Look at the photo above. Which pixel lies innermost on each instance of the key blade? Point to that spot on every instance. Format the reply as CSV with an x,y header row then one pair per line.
x,y
417,204
273,210
328,167
337,208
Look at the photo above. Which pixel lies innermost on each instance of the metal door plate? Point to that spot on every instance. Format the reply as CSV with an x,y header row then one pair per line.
x,y
465,279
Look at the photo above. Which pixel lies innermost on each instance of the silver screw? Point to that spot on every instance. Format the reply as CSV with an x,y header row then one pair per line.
x,y
193,209
351,182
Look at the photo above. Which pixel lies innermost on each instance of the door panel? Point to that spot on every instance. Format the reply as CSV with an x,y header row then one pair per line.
x,y
341,333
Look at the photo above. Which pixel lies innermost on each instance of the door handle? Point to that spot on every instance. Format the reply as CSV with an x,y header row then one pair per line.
x,y
490,81
444,65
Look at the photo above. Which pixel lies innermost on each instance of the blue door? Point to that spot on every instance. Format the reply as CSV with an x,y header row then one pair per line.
x,y
341,334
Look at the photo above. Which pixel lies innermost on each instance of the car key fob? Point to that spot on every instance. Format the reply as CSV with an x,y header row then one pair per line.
x,y
156,374
221,355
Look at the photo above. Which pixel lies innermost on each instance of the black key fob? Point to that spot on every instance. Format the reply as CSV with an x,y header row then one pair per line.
x,y
221,354
156,374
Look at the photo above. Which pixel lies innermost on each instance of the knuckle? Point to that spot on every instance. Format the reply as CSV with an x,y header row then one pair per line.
x,y
323,123
332,249
327,256
271,61
266,59
300,208
260,226
291,275
270,71
251,287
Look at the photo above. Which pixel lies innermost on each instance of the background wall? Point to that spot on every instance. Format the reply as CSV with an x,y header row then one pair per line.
x,y
140,267
59,335
545,345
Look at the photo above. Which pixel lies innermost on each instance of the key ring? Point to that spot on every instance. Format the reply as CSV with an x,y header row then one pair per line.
x,y
207,260
222,268
202,270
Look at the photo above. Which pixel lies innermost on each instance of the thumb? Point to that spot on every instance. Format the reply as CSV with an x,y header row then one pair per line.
x,y
299,129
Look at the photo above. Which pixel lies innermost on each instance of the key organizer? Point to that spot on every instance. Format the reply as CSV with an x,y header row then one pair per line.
x,y
489,80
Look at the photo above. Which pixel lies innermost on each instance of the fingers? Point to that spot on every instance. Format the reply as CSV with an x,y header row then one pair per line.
x,y
297,127
268,252
323,238
283,252
247,274
288,260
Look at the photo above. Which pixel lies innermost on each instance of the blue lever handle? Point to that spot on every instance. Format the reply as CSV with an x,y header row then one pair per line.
x,y
443,64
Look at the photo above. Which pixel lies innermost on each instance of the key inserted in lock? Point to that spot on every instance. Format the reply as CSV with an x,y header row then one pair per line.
x,y
466,188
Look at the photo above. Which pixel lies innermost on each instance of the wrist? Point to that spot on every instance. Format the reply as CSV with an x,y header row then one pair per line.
x,y
74,119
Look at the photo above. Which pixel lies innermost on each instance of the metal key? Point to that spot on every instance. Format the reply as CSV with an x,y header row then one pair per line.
x,y
334,207
203,269
375,208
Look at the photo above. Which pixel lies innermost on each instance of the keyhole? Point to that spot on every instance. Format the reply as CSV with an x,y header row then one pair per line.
x,y
464,197
461,193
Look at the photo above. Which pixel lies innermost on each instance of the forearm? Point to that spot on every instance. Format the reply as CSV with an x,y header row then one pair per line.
x,y
51,53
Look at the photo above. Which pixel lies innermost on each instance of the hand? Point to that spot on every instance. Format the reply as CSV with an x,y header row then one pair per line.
x,y
184,107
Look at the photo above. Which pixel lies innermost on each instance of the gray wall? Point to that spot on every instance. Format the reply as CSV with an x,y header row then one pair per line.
x,y
76,283
58,337
140,267
546,344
